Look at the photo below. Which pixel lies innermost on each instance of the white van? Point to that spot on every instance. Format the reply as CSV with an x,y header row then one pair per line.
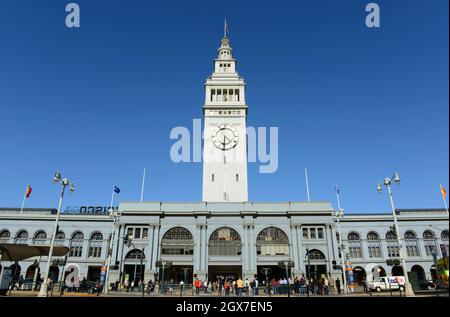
x,y
387,283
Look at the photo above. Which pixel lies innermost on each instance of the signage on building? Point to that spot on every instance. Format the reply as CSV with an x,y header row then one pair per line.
x,y
224,234
89,210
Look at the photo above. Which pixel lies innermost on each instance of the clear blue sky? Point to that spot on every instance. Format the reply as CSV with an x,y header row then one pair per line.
x,y
97,103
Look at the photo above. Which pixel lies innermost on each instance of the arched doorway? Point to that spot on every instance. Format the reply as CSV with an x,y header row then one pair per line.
x,y
397,270
132,268
359,275
315,264
15,271
272,245
225,243
418,274
177,245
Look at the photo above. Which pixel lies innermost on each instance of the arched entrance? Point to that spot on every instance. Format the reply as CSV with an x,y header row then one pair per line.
x,y
272,246
132,268
378,271
177,245
316,265
397,271
418,274
359,275
225,246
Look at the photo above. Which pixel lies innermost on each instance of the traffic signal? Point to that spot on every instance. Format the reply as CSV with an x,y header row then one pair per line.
x,y
334,265
396,262
389,262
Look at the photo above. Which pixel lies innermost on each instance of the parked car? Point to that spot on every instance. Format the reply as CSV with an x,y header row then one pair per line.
x,y
387,283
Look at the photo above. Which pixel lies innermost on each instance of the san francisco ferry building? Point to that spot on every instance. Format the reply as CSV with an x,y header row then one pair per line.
x,y
225,235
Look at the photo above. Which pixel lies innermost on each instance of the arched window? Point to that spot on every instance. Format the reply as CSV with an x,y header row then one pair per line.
x,y
225,242
354,245
429,240
392,244
76,245
135,254
60,238
21,237
444,237
374,245
316,255
411,244
40,237
95,245
272,241
4,236
177,241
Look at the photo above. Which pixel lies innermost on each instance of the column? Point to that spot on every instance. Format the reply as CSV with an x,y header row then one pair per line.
x,y
151,259
329,248
205,249
364,249
155,243
244,250
301,258
294,249
197,250
253,266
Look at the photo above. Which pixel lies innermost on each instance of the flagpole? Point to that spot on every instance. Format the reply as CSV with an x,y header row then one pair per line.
x,y
23,202
307,185
112,201
143,183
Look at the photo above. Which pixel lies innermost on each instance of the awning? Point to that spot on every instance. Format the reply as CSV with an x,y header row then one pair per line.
x,y
19,252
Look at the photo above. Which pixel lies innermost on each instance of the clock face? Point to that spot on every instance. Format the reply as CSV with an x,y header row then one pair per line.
x,y
225,137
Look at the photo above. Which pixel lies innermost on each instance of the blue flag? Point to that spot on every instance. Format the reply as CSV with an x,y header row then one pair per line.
x,y
116,189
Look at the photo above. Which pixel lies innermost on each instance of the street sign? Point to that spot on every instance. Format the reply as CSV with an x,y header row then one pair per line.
x,y
286,263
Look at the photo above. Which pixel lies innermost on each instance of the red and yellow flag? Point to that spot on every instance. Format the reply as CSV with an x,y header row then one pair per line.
x,y
28,191
443,191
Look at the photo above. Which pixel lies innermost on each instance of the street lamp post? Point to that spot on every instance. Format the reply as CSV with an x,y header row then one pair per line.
x,y
64,183
340,214
388,182
110,250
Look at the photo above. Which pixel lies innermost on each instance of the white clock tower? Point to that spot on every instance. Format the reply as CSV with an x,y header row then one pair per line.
x,y
225,138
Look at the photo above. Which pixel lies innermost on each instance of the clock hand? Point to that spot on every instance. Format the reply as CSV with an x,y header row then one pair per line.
x,y
225,137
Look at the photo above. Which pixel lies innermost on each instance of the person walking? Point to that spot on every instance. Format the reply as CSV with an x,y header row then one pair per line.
x,y
331,285
338,285
239,286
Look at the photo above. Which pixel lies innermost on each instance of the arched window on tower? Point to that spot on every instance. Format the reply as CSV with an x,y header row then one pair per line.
x,y
272,241
60,238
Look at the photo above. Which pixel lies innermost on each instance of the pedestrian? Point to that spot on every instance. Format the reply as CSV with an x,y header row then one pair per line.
x,y
239,286
181,288
197,286
338,285
364,283
326,286
302,283
331,285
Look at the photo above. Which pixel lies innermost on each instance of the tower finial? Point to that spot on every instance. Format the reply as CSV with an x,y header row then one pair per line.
x,y
225,29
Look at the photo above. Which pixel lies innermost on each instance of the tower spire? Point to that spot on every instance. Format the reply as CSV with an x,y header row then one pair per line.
x,y
225,28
